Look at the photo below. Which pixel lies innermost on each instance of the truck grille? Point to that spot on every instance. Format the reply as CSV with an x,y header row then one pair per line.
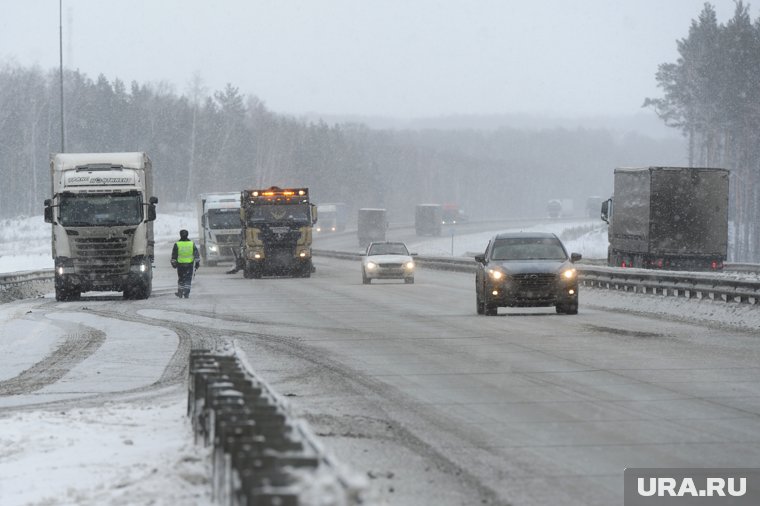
x,y
535,282
101,257
280,235
227,239
227,243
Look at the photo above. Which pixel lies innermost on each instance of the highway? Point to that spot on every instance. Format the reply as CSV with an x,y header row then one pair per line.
x,y
406,385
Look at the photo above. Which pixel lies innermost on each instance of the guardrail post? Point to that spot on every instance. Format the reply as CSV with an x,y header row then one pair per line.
x,y
256,448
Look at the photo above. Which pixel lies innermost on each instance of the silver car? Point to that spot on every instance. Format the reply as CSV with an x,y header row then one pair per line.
x,y
387,260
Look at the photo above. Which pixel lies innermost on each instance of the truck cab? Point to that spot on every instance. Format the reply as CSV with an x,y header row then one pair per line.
x,y
218,226
276,233
102,214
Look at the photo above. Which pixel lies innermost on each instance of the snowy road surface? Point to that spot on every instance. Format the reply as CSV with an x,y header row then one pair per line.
x,y
403,383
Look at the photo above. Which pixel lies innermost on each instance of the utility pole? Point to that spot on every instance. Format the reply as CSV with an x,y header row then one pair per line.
x,y
60,68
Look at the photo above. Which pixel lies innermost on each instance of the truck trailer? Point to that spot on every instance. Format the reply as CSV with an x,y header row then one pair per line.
x,y
371,224
276,232
102,211
428,219
218,226
668,218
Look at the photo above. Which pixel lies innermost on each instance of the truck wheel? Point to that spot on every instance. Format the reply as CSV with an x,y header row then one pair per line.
x,y
144,290
409,281
61,294
365,279
480,308
65,292
248,270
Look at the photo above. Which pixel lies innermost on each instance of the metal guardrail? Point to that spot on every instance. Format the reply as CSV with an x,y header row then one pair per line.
x,y
691,285
260,455
20,285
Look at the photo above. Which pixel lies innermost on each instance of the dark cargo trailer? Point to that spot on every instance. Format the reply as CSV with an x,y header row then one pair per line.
x,y
668,218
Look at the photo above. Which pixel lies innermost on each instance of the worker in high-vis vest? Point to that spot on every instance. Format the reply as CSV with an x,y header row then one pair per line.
x,y
186,259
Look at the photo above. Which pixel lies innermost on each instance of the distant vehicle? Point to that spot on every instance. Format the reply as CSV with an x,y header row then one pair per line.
x,y
554,208
568,207
428,219
668,218
102,211
593,204
371,226
525,269
387,260
452,215
332,217
218,226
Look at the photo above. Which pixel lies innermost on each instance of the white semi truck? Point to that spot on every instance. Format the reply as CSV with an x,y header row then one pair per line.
x,y
102,211
218,226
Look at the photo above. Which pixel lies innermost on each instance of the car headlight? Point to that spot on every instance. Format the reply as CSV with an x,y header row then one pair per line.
x,y
371,266
495,274
569,274
409,265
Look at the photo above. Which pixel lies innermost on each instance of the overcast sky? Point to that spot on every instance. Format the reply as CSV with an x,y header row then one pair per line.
x,y
400,58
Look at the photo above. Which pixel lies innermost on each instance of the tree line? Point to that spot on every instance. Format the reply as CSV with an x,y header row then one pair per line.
x,y
712,94
202,141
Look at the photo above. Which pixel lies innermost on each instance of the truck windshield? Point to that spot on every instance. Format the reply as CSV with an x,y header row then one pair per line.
x,y
87,210
224,218
528,248
279,212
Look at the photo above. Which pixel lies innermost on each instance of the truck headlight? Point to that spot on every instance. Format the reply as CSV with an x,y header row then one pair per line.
x,y
371,266
409,265
139,266
213,248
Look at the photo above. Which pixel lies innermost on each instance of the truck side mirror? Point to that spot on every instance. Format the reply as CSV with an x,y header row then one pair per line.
x,y
574,257
480,258
152,201
606,210
48,211
313,214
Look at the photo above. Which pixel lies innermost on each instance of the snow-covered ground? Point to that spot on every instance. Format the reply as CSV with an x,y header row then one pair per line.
x,y
133,453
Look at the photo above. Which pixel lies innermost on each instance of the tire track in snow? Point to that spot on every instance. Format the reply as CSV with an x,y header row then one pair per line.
x,y
74,350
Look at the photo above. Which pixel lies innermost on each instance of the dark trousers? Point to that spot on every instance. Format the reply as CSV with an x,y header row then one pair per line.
x,y
184,279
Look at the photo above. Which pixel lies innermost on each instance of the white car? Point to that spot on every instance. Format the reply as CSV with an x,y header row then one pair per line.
x,y
387,260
